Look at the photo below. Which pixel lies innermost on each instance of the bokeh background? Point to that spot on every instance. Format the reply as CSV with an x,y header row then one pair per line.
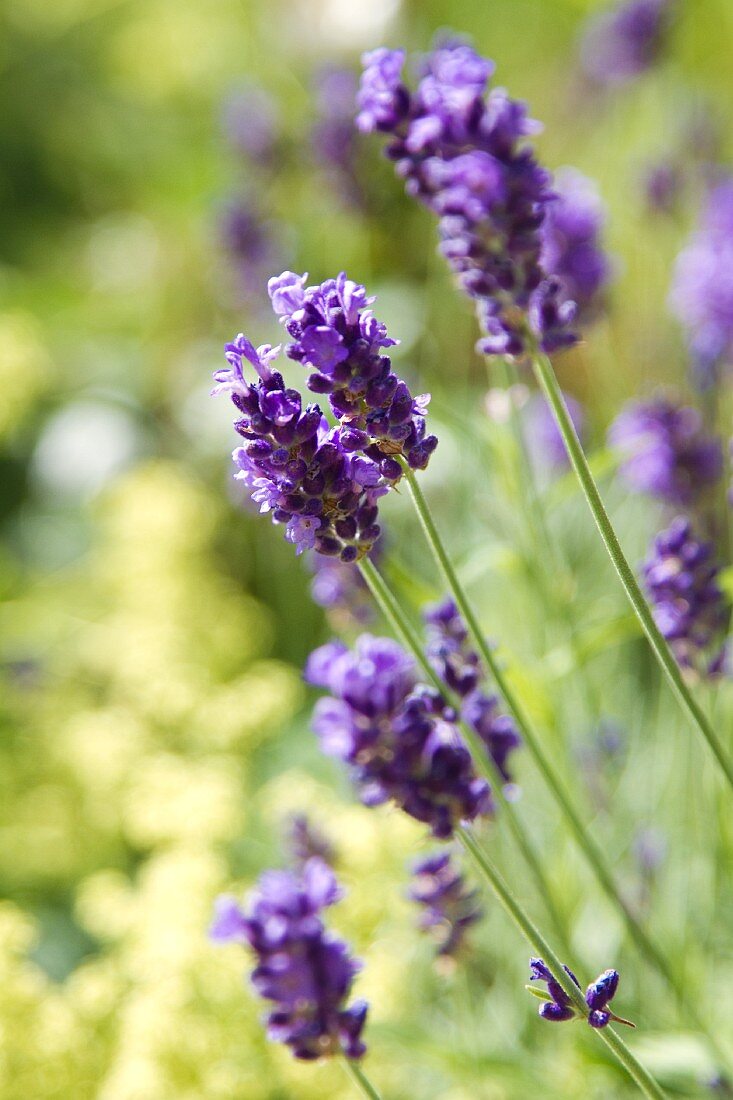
x,y
159,161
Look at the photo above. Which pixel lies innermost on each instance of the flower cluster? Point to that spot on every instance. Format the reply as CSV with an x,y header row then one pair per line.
x,y
304,842
559,1007
304,970
295,466
625,41
449,907
667,453
395,734
571,248
681,578
339,340
450,653
461,150
702,289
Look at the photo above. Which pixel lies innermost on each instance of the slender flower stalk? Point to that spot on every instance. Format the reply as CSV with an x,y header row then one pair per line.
x,y
585,842
483,761
360,1079
641,1076
547,380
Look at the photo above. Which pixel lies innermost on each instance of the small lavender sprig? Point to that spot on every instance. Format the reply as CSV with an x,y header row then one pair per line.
x,y
558,1007
304,970
448,906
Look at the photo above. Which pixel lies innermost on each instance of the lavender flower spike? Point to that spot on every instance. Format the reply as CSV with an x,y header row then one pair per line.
x,y
449,908
461,150
294,465
394,734
302,968
666,451
336,336
681,578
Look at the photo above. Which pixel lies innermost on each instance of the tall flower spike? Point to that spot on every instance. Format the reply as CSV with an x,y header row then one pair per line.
x,y
625,41
339,340
450,653
393,734
302,968
681,578
702,287
294,465
461,150
666,451
449,908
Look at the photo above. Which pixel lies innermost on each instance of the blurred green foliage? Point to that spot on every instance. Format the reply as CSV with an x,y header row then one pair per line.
x,y
154,728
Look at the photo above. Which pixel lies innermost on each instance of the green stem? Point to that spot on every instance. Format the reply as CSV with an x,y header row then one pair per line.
x,y
547,380
641,1077
360,1079
532,741
403,629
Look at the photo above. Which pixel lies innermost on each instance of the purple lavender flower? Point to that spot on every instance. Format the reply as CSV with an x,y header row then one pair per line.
x,y
681,578
458,665
571,242
304,970
304,842
394,734
334,137
598,996
249,241
667,453
339,340
625,41
449,908
462,153
340,589
251,122
294,465
702,287
560,1007
544,442
662,184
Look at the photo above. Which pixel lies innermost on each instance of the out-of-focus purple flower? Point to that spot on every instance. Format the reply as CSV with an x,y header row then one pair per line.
x,y
662,183
544,442
560,1007
302,968
449,908
666,451
249,240
339,340
251,122
681,578
340,589
702,287
394,734
623,42
571,242
304,841
450,653
294,465
334,138
462,152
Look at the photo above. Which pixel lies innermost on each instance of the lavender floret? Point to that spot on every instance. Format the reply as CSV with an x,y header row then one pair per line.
x,y
394,734
449,908
303,969
560,1008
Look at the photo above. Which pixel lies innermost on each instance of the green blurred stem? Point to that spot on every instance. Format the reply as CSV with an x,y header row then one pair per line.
x,y
641,1077
360,1079
547,381
404,630
583,839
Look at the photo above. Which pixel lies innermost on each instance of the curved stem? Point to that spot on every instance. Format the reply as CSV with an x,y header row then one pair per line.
x,y
403,629
592,852
360,1079
547,381
641,1077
